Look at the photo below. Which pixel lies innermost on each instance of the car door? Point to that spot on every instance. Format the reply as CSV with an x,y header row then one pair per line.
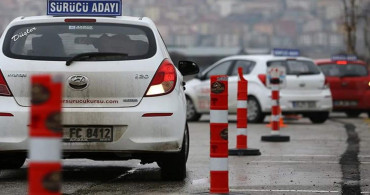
x,y
203,90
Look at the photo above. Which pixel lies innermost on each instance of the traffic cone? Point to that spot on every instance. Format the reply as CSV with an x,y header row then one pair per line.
x,y
281,122
292,117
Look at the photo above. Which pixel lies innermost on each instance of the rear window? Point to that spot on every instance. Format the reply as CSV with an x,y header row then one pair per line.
x,y
296,67
349,70
65,40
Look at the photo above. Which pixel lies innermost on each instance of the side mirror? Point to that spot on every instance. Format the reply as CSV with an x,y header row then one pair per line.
x,y
188,68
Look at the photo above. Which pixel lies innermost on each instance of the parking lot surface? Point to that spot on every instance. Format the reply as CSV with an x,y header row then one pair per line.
x,y
333,158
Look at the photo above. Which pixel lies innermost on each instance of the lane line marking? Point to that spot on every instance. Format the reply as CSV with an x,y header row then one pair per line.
x,y
200,181
305,162
301,155
300,191
365,163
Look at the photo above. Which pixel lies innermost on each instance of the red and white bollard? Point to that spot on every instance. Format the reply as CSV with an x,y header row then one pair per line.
x,y
44,174
242,120
275,114
219,170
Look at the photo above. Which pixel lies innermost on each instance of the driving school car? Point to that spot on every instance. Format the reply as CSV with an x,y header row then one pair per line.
x,y
349,81
123,98
306,90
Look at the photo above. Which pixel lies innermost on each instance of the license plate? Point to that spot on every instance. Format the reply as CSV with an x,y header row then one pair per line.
x,y
87,134
345,103
304,105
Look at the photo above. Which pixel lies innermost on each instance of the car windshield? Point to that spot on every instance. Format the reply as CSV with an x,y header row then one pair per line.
x,y
66,40
296,67
349,70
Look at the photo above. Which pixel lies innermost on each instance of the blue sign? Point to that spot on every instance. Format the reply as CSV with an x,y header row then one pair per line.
x,y
84,7
344,58
286,52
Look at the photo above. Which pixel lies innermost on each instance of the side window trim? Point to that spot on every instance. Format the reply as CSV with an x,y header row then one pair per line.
x,y
204,76
231,68
253,63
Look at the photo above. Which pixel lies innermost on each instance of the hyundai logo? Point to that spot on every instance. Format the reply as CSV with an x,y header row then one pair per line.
x,y
78,82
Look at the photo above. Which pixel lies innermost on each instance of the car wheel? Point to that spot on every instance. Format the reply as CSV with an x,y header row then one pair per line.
x,y
173,167
255,114
191,113
319,117
368,114
12,161
353,114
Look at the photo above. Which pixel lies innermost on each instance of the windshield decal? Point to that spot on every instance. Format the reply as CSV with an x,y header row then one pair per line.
x,y
23,34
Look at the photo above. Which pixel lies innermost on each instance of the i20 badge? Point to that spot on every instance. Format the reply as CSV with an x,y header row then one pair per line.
x,y
78,82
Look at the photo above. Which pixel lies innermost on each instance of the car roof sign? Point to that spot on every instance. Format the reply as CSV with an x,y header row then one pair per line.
x,y
286,52
84,7
344,58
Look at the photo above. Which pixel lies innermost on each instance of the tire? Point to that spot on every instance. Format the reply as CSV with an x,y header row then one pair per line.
x,y
191,113
12,161
319,117
353,114
368,114
173,166
255,114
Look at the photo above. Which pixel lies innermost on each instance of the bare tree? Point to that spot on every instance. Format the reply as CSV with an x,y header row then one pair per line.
x,y
350,24
366,16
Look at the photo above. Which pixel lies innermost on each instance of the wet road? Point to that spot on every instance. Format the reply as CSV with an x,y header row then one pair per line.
x,y
327,159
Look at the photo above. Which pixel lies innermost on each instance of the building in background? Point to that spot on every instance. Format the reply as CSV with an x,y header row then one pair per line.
x,y
312,26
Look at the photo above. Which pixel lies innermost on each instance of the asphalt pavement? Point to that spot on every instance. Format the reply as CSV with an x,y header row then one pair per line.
x,y
331,158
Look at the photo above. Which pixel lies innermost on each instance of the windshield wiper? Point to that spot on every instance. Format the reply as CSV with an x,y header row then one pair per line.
x,y
93,54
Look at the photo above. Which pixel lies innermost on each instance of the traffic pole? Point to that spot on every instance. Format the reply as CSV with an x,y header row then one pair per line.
x,y
242,121
219,171
44,170
275,114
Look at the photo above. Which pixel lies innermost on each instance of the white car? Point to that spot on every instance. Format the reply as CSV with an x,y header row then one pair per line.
x,y
306,91
118,77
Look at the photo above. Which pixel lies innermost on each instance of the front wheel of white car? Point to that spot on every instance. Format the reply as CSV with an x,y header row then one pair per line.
x,y
255,114
191,113
173,166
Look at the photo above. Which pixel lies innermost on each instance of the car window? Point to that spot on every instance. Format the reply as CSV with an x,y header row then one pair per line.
x,y
65,40
349,70
245,64
221,69
296,67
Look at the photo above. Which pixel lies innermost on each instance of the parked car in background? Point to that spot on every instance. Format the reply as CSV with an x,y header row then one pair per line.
x,y
349,82
306,92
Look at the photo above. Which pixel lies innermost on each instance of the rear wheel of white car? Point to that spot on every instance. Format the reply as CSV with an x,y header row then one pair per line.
x,y
173,166
255,114
191,113
319,117
353,114
12,161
